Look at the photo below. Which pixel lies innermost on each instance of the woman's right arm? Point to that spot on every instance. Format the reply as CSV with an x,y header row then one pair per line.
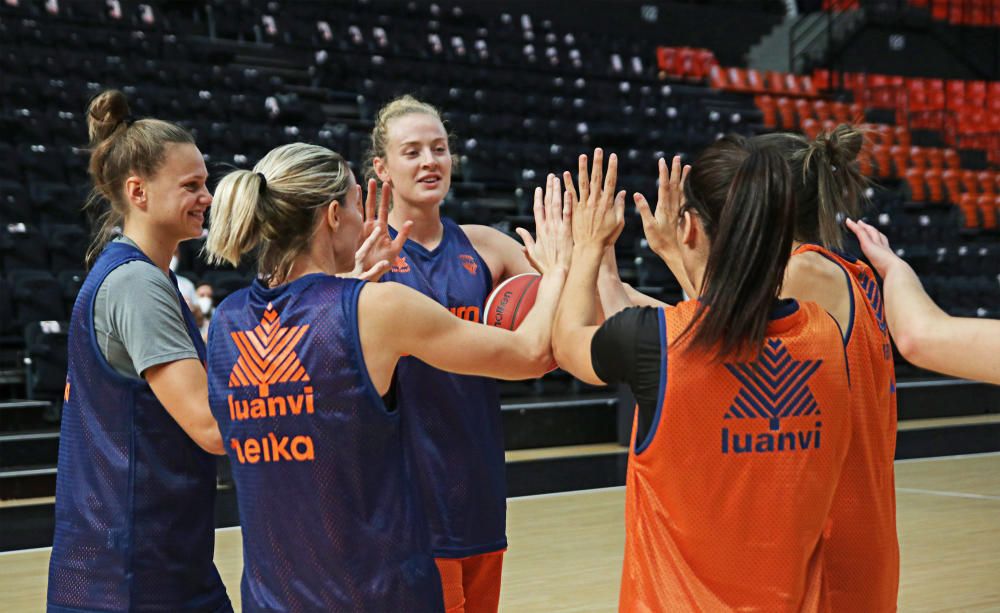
x,y
926,335
396,320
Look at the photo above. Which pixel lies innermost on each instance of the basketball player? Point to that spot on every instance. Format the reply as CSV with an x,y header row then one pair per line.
x,y
862,555
135,489
742,422
925,335
299,364
454,441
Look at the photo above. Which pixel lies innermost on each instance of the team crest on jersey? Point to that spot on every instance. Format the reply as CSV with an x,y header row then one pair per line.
x,y
774,388
267,354
469,263
267,357
400,265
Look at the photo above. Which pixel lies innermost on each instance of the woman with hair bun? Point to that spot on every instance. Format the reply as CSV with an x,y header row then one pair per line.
x,y
135,487
862,555
300,368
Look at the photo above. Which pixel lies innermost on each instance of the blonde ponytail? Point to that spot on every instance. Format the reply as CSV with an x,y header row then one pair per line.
x,y
274,207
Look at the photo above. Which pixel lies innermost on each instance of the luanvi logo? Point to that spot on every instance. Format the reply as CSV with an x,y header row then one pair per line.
x,y
774,388
267,354
267,357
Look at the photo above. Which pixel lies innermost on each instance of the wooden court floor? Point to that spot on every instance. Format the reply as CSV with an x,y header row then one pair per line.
x,y
566,549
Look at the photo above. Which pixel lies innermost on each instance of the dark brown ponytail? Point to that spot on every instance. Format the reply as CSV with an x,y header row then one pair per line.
x,y
828,182
742,194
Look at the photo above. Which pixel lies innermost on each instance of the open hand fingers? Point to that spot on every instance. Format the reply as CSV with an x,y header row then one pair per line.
x,y
583,179
597,174
370,200
611,179
367,246
538,208
376,271
383,205
645,214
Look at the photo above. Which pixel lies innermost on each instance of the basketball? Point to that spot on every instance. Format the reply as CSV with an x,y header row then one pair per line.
x,y
511,301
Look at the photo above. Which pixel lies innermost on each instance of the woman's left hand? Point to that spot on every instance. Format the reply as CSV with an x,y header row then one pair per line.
x,y
553,215
376,228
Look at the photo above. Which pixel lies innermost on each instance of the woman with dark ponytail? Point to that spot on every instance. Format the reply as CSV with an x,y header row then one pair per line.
x,y
862,556
741,426
135,489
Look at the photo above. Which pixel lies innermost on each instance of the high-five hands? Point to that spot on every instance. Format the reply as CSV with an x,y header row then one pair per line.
x,y
598,213
553,215
660,227
377,249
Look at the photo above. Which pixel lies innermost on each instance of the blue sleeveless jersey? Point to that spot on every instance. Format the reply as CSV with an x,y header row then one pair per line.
x,y
135,496
452,423
330,520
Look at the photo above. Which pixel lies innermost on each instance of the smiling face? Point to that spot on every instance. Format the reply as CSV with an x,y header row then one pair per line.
x,y
418,161
177,197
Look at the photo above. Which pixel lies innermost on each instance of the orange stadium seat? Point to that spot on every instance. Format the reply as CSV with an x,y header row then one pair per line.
x,y
935,186
935,157
902,135
883,160
988,210
811,127
970,182
970,210
769,109
953,184
915,181
987,182
787,109
900,158
951,159
918,158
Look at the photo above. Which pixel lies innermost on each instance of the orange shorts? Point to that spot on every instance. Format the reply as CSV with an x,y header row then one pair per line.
x,y
471,585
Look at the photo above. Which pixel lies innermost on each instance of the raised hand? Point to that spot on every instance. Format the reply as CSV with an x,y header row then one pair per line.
x,y
553,219
875,245
365,267
383,247
598,213
660,227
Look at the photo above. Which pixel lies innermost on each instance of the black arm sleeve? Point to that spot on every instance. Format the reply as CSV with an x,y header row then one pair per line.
x,y
627,348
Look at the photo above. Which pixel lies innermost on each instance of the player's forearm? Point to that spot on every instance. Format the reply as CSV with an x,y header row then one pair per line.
x,y
578,306
930,338
914,320
535,332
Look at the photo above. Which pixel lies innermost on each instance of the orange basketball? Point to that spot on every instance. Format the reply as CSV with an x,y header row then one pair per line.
x,y
511,301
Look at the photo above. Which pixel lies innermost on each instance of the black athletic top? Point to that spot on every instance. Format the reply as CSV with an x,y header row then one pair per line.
x,y
627,349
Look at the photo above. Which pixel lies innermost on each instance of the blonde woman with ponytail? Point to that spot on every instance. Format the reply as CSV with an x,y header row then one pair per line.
x,y
300,369
862,555
135,489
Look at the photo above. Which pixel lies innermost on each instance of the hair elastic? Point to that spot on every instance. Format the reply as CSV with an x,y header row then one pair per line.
x,y
263,183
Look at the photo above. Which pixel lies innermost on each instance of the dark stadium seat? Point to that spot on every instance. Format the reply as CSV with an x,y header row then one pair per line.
x,y
45,358
23,248
67,246
36,296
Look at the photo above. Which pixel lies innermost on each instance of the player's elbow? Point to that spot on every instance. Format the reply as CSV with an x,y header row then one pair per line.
x,y
912,345
210,439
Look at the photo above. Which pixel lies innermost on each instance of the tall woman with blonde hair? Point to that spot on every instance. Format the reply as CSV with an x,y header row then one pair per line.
x,y
135,487
300,369
456,454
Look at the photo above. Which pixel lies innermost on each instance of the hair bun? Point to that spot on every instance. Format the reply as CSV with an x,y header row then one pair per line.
x,y
107,112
